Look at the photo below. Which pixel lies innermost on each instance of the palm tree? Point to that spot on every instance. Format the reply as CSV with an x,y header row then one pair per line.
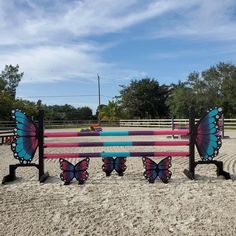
x,y
111,112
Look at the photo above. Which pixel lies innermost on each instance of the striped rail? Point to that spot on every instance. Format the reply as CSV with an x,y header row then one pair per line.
x,y
121,143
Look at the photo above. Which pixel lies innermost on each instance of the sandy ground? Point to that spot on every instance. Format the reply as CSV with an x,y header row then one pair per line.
x,y
116,205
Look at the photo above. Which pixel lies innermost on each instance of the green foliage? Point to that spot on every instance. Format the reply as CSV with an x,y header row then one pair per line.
x,y
99,109
215,86
180,100
5,105
30,108
85,113
67,112
144,99
228,74
10,78
111,112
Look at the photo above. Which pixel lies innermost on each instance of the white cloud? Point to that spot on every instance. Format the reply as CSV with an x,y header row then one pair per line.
x,y
31,22
205,19
53,63
51,40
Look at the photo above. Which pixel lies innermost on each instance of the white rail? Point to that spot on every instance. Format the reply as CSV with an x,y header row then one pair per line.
x,y
171,123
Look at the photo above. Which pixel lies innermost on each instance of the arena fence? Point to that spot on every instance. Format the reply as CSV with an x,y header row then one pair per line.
x,y
7,137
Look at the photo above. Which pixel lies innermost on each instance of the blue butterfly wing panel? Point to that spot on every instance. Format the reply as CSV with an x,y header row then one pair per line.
x,y
26,142
120,166
208,138
163,169
150,175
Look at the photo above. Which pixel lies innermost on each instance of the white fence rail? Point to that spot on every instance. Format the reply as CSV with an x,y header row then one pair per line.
x,y
229,123
9,125
159,123
171,123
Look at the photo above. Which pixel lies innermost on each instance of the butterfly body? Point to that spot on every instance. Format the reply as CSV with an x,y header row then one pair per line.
x,y
117,164
154,170
70,171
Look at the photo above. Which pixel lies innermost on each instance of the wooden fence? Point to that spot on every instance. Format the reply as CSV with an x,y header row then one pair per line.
x,y
54,124
158,123
225,124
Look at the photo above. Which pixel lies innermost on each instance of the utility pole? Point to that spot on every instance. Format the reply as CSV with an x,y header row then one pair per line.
x,y
99,99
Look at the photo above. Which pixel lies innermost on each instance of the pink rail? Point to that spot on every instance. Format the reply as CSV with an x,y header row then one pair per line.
x,y
116,133
109,144
116,154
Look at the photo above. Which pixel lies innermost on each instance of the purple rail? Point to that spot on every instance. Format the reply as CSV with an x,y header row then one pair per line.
x,y
109,144
115,154
115,133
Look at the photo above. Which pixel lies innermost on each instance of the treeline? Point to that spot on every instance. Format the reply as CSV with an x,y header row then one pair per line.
x,y
67,112
9,80
144,98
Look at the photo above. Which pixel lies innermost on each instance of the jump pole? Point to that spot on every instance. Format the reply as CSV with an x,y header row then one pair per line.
x,y
115,133
114,154
114,144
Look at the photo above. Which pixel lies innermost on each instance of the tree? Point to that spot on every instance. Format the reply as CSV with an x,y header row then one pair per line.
x,y
180,100
5,106
111,112
30,108
85,113
228,74
99,108
10,78
215,86
144,99
67,112
2,84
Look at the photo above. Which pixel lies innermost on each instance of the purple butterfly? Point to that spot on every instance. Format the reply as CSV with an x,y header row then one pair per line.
x,y
154,170
79,171
117,164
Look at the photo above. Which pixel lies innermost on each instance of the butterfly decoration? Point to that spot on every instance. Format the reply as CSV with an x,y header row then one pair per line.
x,y
208,138
154,170
70,171
117,164
26,132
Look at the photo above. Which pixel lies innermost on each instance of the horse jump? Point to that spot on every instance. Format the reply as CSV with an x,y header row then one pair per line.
x,y
33,137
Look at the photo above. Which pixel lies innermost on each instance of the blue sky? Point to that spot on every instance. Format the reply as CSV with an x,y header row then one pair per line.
x,y
62,45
